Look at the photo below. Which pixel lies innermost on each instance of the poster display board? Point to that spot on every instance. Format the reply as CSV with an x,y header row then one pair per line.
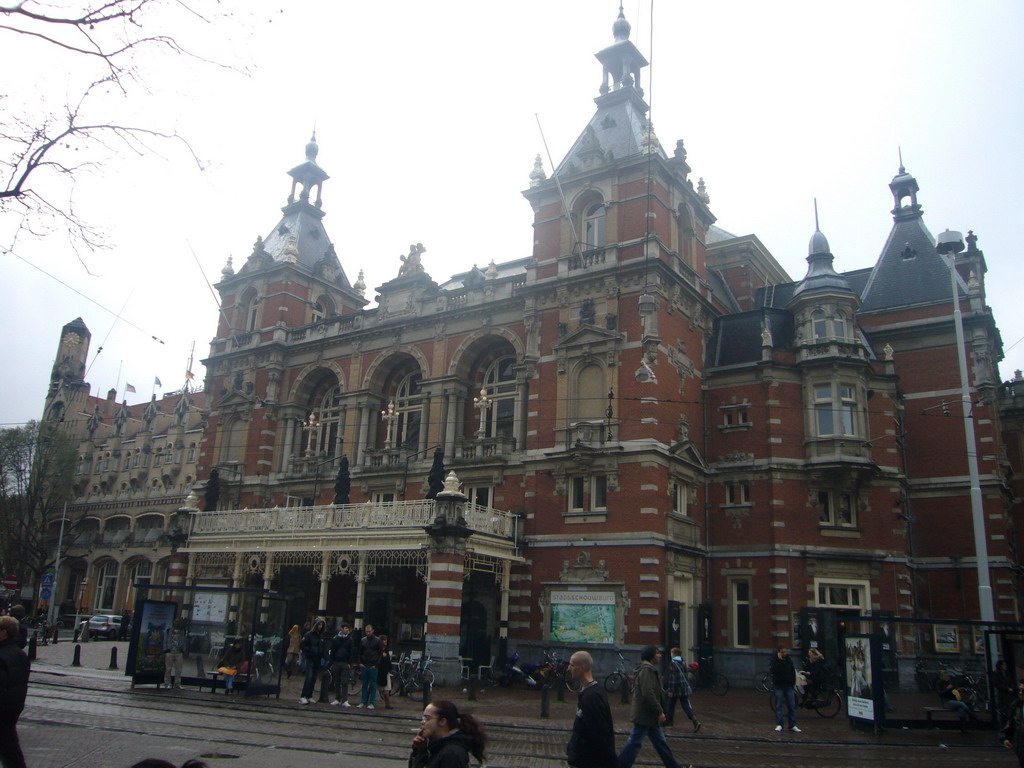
x,y
582,617
863,658
146,655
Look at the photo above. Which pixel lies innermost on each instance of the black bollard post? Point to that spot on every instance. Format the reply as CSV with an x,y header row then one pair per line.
x,y
545,702
113,658
625,691
472,687
77,661
428,693
32,644
325,686
56,631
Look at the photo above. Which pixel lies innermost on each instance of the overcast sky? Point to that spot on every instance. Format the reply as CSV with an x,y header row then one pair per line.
x,y
424,112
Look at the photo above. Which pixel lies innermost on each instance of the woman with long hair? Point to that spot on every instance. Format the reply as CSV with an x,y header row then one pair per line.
x,y
294,649
447,738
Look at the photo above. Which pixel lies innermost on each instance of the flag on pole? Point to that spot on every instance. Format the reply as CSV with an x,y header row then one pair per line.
x,y
129,388
156,381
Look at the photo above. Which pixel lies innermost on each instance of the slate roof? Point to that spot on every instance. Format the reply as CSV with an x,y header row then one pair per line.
x,y
903,277
737,338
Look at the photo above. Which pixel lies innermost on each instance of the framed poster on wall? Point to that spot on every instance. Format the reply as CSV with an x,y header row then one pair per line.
x,y
947,638
582,617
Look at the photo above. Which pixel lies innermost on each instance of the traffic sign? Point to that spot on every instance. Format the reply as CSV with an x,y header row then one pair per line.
x,y
47,580
11,582
45,593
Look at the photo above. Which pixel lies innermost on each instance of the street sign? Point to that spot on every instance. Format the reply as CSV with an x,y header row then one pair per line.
x,y
45,593
47,580
11,582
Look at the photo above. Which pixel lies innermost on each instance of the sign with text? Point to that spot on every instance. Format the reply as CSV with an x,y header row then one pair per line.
x,y
582,616
863,676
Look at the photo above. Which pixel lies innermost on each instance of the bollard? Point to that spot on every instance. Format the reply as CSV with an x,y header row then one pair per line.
x,y
472,687
77,661
545,702
32,643
113,658
56,631
325,685
625,691
428,694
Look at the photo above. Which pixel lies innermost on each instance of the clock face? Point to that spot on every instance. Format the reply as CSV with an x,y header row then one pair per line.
x,y
70,341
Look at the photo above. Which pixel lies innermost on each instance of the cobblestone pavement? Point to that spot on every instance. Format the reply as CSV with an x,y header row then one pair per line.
x,y
89,715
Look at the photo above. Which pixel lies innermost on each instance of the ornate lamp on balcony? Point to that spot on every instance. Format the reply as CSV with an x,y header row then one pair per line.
x,y
390,416
482,404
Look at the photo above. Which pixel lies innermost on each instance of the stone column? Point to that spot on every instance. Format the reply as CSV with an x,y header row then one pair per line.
x,y
268,577
360,591
289,442
325,578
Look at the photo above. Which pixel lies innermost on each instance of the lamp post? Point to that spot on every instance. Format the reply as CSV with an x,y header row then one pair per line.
x,y
482,404
56,569
949,244
390,416
310,424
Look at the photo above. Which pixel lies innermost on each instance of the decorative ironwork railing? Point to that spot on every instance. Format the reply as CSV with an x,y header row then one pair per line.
x,y
341,517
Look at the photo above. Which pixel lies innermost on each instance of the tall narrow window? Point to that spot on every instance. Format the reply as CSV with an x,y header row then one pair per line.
x,y
680,499
409,405
482,495
106,586
591,393
593,226
588,493
837,508
741,613
500,385
329,423
835,409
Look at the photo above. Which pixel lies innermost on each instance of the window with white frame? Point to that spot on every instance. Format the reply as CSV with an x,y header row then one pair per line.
x,y
329,423
106,586
734,417
826,327
737,493
842,594
837,508
594,218
142,574
482,495
741,613
409,407
500,385
383,497
588,493
835,409
680,492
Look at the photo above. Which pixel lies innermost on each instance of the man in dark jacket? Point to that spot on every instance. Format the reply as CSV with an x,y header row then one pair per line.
x,y
1013,731
784,687
592,744
370,649
343,655
647,713
315,650
14,670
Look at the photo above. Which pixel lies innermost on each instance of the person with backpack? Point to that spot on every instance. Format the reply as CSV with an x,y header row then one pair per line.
x,y
679,691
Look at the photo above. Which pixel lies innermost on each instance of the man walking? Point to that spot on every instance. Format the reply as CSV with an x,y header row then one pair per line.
x,y
592,744
343,654
647,713
784,686
315,652
174,644
370,649
14,671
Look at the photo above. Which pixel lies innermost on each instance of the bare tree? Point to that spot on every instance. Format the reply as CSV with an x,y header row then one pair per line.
x,y
43,152
37,464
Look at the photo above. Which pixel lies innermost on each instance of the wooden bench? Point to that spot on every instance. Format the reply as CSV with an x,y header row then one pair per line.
x,y
217,681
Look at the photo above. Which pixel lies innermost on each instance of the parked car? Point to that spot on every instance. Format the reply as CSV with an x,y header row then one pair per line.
x,y
105,626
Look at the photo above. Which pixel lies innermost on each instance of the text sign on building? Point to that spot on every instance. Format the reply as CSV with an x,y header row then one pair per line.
x,y
582,617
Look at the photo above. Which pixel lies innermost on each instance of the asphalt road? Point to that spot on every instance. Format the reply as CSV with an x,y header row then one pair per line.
x,y
90,716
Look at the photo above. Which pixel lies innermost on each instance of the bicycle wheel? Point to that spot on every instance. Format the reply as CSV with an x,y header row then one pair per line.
x,y
719,684
571,682
829,704
763,682
613,682
414,688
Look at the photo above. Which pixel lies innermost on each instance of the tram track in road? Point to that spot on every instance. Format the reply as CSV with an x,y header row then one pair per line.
x,y
324,730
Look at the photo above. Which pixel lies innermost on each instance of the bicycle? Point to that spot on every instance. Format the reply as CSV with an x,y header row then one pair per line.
x,y
826,701
414,676
621,676
705,676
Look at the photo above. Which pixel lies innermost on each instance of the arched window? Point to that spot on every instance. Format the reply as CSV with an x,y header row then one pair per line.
x,y
142,572
819,325
591,393
323,307
500,385
248,309
594,226
233,443
329,423
106,586
409,405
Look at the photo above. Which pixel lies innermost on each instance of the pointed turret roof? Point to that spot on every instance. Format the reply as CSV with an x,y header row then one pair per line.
x,y
619,127
909,271
821,275
299,236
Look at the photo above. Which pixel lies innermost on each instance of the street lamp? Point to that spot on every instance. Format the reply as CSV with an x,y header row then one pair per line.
x,y
482,404
390,416
949,244
310,424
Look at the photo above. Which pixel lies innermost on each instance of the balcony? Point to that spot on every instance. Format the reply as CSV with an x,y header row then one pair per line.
x,y
484,449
